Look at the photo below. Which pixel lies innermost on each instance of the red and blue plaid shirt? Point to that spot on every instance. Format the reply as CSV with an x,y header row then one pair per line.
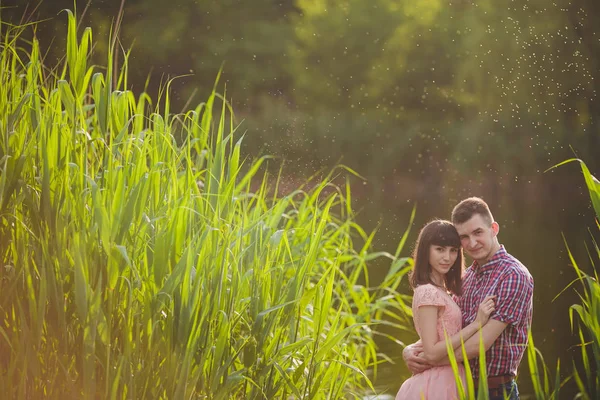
x,y
508,279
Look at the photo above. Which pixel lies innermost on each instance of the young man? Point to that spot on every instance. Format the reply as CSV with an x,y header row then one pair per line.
x,y
493,272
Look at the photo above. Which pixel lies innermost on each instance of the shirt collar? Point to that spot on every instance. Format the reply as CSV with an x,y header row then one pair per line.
x,y
489,266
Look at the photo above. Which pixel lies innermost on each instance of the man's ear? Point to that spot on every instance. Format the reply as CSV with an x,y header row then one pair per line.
x,y
495,228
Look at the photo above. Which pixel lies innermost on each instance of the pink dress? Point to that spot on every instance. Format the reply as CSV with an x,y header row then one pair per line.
x,y
436,383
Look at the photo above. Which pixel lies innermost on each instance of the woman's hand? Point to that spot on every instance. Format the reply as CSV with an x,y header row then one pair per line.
x,y
486,308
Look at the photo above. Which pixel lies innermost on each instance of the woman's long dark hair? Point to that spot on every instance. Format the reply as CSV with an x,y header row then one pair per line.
x,y
438,233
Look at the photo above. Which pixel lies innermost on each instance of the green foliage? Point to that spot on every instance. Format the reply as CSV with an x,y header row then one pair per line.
x,y
139,265
591,182
586,375
543,388
466,384
588,327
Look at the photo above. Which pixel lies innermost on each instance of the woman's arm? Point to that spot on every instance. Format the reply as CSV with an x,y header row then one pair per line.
x,y
435,350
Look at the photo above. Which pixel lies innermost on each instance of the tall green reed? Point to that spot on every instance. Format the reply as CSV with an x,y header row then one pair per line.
x,y
543,385
587,373
145,257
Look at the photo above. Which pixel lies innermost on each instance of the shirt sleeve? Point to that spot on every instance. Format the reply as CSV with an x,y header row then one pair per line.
x,y
427,295
515,296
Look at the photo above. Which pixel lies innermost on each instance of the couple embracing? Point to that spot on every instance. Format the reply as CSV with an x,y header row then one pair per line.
x,y
491,300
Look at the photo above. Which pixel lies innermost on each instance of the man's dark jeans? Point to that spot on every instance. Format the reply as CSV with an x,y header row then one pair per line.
x,y
510,388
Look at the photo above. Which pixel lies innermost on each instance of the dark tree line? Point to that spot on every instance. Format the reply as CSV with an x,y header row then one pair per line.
x,y
420,88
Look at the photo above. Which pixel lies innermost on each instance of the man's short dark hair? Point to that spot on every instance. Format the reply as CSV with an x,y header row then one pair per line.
x,y
465,210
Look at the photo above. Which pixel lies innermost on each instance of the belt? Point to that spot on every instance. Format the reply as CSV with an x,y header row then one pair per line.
x,y
496,381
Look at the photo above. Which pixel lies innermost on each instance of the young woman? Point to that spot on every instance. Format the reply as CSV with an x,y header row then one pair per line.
x,y
436,275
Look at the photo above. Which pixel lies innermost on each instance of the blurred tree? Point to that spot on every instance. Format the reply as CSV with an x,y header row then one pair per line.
x,y
336,43
455,88
249,39
418,86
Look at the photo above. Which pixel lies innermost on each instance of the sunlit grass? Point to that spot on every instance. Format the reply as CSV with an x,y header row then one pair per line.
x,y
139,265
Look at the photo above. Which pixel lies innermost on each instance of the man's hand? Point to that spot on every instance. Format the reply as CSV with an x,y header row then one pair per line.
x,y
413,358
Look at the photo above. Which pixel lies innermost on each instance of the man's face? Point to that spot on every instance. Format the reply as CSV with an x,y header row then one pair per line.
x,y
478,238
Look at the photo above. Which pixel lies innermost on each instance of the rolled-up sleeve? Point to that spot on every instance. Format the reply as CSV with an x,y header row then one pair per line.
x,y
514,301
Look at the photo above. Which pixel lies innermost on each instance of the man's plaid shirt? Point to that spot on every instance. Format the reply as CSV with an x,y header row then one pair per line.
x,y
508,279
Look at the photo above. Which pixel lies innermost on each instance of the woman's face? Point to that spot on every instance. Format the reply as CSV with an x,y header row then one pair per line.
x,y
441,259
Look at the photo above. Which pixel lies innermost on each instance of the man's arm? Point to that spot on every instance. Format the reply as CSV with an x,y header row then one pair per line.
x,y
489,332
515,293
